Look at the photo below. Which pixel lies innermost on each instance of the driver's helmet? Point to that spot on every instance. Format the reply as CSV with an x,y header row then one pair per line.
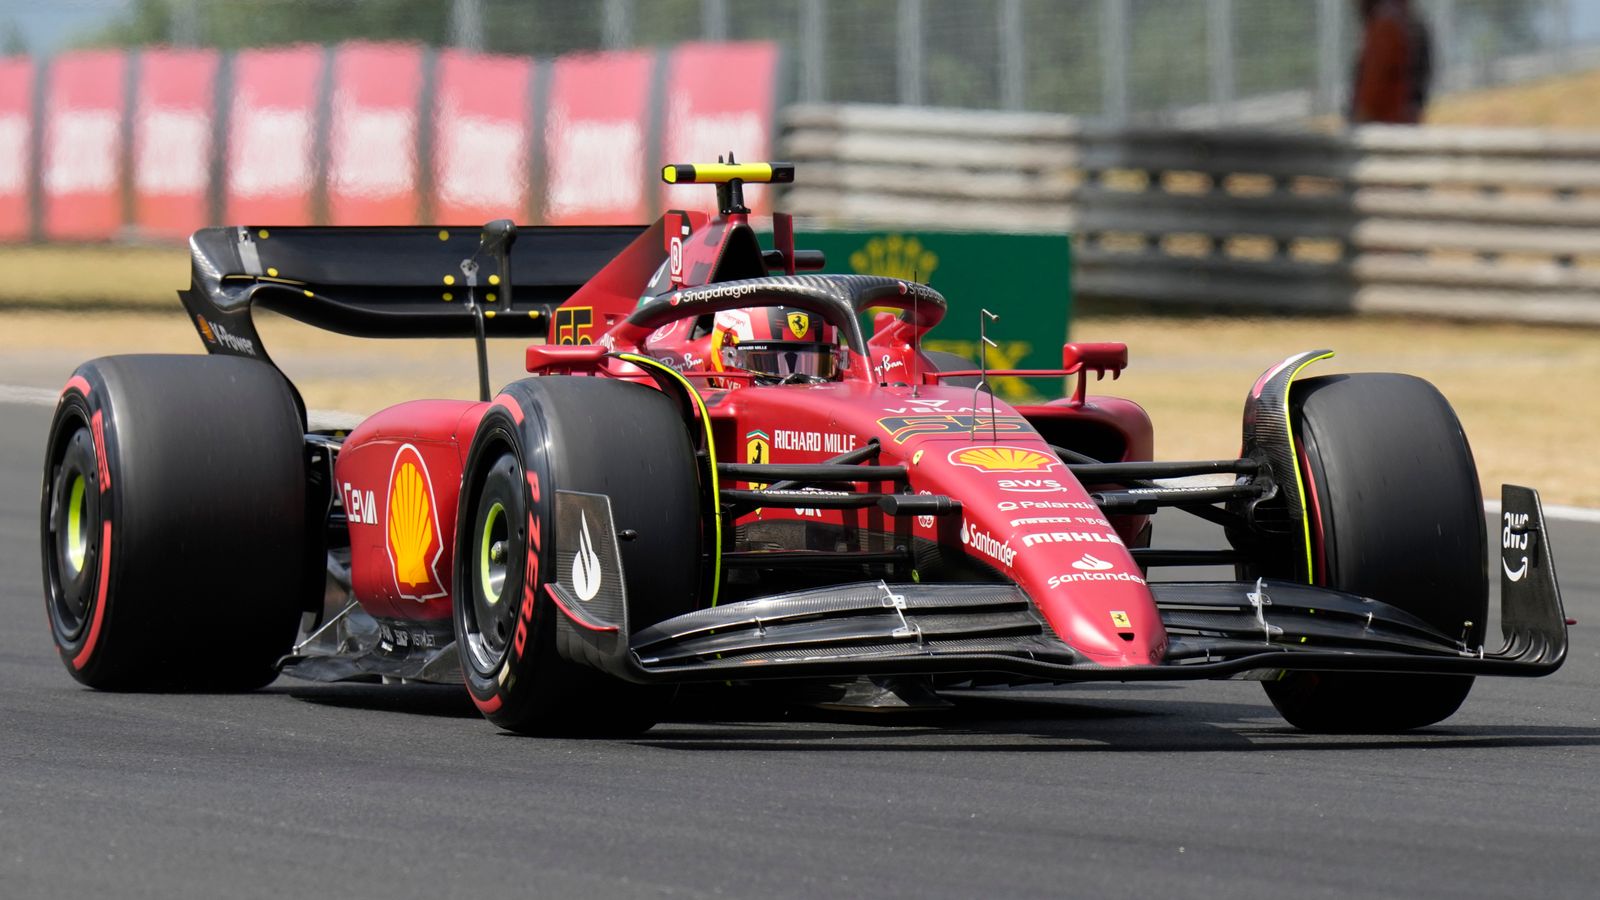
x,y
776,344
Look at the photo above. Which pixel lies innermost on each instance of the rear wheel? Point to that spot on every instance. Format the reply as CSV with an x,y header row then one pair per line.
x,y
173,523
589,435
1396,515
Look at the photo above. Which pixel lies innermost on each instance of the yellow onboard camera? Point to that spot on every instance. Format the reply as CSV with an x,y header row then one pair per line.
x,y
722,173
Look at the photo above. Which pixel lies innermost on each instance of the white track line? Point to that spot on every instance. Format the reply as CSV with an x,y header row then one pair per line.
x,y
1556,511
336,418
32,396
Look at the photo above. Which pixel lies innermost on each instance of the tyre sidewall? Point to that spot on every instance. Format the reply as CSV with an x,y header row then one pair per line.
x,y
80,410
504,693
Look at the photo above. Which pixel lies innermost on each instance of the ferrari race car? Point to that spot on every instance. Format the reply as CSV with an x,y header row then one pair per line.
x,y
712,475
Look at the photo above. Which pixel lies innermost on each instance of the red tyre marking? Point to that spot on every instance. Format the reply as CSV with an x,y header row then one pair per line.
x,y
486,706
82,659
97,422
78,382
510,406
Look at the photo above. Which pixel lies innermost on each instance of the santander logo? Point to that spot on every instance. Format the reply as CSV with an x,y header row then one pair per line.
x,y
1092,568
1091,564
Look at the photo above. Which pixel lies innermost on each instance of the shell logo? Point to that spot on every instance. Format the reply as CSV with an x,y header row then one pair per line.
x,y
414,542
1003,459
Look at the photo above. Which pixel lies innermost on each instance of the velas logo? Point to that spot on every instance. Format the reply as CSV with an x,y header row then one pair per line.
x,y
903,428
414,539
586,572
1003,459
799,324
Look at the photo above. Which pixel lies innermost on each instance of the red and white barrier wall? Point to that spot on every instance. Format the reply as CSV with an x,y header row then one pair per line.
x,y
154,143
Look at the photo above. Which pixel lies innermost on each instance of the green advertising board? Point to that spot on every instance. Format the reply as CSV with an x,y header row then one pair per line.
x,y
1025,279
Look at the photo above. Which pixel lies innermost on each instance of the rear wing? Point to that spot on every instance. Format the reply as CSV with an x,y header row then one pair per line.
x,y
394,282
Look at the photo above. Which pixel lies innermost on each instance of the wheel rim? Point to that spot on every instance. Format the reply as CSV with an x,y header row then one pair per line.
x,y
492,554
488,623
77,536
73,517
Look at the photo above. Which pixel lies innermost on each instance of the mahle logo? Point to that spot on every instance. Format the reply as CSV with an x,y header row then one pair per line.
x,y
897,256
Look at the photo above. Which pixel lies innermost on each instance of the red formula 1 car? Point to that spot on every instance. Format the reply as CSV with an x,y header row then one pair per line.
x,y
711,475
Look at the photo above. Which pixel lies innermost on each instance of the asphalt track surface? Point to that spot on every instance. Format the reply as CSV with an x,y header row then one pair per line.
x,y
1108,791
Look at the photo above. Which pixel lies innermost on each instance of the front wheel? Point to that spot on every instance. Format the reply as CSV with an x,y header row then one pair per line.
x,y
1396,514
612,442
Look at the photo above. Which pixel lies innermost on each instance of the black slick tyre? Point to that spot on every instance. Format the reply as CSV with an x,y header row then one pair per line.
x,y
593,435
1397,515
173,523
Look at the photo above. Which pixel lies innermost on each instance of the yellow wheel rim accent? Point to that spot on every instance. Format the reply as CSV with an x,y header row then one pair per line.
x,y
490,592
77,533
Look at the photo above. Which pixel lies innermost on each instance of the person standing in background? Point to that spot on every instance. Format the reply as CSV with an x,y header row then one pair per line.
x,y
1395,67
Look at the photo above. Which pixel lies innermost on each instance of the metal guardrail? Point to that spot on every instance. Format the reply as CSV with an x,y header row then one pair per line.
x,y
1457,222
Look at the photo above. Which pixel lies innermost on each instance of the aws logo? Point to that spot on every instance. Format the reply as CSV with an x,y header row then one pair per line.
x,y
414,539
1002,459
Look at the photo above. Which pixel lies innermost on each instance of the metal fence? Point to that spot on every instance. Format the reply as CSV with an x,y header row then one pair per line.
x,y
1215,61
1458,222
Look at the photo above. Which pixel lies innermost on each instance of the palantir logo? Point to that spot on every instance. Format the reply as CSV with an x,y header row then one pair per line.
x,y
586,573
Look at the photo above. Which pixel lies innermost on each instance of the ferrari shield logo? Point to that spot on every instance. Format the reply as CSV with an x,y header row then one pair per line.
x,y
1119,619
756,449
757,452
799,323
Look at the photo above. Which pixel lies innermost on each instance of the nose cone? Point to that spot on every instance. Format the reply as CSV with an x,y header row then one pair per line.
x,y
1065,554
1098,603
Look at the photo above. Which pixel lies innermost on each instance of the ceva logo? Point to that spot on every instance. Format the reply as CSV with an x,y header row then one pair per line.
x,y
414,542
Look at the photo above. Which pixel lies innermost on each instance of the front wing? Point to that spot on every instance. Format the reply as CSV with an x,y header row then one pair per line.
x,y
1216,629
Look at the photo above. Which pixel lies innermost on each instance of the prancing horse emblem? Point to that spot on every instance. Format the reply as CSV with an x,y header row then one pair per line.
x,y
799,323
